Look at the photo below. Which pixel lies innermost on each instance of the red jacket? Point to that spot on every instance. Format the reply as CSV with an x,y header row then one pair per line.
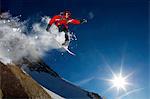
x,y
61,20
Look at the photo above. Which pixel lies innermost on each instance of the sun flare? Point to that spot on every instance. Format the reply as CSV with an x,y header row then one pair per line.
x,y
119,82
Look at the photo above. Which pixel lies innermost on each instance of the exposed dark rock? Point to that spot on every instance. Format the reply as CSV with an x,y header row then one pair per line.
x,y
17,85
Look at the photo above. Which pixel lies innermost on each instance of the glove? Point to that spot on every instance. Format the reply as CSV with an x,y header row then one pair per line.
x,y
48,27
83,21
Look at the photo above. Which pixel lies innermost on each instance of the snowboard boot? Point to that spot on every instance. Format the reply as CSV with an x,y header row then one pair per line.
x,y
66,43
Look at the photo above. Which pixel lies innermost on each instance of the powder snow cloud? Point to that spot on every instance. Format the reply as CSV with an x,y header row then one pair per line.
x,y
16,43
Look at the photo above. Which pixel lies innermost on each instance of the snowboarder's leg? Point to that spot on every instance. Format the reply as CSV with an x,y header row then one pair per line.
x,y
66,39
62,28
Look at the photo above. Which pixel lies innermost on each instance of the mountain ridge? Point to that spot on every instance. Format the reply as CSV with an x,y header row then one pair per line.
x,y
50,76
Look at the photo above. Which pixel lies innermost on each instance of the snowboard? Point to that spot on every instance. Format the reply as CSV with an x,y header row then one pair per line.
x,y
65,47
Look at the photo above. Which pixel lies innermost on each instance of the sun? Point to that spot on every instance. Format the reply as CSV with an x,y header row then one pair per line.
x,y
119,82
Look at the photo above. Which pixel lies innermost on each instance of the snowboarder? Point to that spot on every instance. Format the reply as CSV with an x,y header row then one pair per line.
x,y
62,20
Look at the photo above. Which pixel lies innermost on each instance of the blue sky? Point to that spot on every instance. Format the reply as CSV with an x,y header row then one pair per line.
x,y
116,33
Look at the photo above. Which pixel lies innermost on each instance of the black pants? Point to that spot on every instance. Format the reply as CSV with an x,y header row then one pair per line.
x,y
62,28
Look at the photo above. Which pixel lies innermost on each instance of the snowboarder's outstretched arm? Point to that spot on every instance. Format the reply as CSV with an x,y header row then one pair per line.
x,y
75,21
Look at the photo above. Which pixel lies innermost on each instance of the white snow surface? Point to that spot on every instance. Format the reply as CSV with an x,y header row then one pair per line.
x,y
52,94
5,60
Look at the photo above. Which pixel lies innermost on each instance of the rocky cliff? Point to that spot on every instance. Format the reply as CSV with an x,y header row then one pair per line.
x,y
15,84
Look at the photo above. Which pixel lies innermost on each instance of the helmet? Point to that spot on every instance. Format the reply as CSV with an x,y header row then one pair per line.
x,y
67,11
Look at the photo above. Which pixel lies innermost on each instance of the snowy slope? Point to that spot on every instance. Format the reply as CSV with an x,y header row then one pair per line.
x,y
53,95
57,85
53,82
